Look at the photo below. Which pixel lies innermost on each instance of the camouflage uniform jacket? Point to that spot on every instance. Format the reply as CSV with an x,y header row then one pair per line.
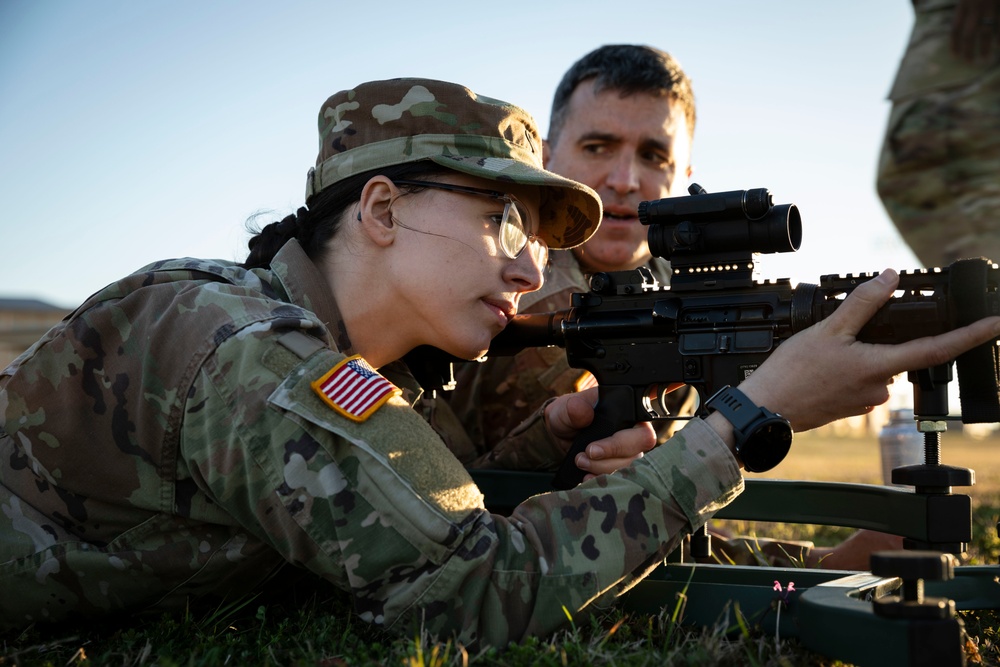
x,y
163,444
474,419
939,167
500,391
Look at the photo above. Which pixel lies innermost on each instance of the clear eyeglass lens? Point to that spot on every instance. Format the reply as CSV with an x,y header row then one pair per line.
x,y
514,237
540,251
513,230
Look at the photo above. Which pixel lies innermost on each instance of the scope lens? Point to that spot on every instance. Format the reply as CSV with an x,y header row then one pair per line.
x,y
778,231
794,228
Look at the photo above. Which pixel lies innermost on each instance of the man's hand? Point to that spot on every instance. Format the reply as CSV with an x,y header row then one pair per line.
x,y
824,373
570,413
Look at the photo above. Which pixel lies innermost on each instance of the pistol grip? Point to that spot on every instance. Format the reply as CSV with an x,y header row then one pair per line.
x,y
615,410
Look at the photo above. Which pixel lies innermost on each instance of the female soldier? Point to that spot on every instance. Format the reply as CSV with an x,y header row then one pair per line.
x,y
196,428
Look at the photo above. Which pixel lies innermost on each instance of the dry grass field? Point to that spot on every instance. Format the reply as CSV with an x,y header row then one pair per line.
x,y
820,456
833,458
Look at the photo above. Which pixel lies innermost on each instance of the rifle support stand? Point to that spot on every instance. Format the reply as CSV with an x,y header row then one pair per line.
x,y
715,323
902,613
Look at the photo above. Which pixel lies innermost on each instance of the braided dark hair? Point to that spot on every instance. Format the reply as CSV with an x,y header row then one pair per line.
x,y
316,223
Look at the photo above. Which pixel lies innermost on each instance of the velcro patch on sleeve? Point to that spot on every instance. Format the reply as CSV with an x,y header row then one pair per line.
x,y
354,389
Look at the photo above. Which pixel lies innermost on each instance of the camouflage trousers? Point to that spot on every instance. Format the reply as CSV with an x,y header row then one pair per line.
x,y
939,171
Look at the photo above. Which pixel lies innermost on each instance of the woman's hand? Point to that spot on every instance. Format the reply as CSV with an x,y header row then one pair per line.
x,y
568,414
824,373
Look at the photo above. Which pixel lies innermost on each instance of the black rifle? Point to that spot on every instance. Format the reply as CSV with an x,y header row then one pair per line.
x,y
715,323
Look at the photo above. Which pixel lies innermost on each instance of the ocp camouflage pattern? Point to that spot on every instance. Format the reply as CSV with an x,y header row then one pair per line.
x,y
939,169
162,449
381,123
474,419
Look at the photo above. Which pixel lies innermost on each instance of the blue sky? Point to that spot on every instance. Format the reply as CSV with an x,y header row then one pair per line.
x,y
135,131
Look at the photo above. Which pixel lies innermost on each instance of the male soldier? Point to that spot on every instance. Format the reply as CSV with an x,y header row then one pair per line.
x,y
939,171
622,122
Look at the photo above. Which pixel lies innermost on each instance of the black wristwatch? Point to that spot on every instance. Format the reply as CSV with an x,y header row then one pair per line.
x,y
763,438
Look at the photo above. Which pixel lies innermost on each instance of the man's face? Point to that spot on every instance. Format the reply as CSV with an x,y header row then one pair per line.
x,y
628,149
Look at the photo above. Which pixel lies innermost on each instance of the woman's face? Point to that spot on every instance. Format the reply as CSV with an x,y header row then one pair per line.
x,y
457,287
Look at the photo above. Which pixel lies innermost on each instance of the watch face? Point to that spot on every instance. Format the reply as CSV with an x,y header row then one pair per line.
x,y
763,438
767,445
777,434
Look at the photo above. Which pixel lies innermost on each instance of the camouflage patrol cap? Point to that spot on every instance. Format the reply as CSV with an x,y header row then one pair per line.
x,y
383,123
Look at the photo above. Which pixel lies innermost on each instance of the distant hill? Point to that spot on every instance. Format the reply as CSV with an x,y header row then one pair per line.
x,y
35,305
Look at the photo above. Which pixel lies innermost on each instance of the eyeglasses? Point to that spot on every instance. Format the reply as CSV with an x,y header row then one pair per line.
x,y
514,224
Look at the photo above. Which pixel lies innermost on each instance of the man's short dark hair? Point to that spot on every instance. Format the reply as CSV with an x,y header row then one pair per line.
x,y
629,69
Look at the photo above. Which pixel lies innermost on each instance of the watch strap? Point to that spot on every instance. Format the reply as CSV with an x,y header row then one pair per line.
x,y
734,405
762,438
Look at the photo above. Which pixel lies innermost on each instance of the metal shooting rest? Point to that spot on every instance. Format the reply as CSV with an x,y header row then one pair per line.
x,y
902,612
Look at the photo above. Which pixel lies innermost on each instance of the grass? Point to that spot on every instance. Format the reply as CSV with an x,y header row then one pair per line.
x,y
322,631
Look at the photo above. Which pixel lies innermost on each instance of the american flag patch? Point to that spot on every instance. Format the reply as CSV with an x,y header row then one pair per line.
x,y
354,389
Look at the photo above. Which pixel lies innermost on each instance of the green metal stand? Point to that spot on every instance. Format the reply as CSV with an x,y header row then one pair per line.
x,y
831,612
